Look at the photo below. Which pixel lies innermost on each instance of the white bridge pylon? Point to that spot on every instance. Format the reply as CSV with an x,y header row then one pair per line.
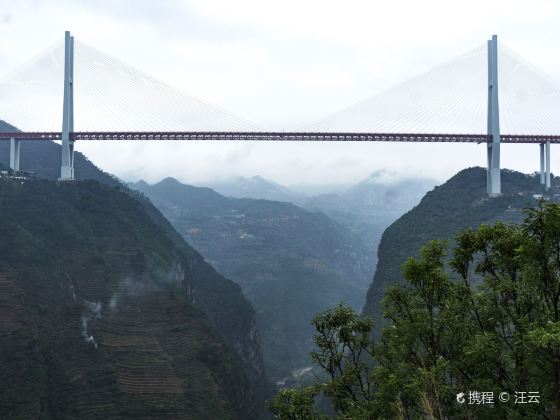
x,y
67,146
494,181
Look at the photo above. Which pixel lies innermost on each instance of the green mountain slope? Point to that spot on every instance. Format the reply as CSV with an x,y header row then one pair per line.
x,y
231,316
460,202
291,263
366,208
97,314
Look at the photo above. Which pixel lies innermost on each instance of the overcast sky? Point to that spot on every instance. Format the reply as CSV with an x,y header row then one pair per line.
x,y
282,64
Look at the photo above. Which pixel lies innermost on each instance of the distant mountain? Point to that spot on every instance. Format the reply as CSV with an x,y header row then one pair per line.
x,y
368,207
69,249
374,199
291,263
4,126
460,202
255,187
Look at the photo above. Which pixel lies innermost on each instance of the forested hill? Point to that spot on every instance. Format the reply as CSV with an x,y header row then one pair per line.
x,y
97,312
291,263
460,202
232,319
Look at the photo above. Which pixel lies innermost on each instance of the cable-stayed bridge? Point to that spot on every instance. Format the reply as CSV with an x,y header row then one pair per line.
x,y
458,101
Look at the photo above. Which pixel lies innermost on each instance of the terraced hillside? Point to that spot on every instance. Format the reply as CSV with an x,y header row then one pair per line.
x,y
98,317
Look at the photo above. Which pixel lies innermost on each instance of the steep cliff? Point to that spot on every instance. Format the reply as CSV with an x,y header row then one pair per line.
x,y
98,315
219,303
458,203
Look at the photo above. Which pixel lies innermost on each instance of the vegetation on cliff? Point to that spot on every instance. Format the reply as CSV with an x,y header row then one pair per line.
x,y
105,315
230,314
459,203
468,329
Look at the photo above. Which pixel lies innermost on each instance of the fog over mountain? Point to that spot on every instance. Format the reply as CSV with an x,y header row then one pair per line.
x,y
254,187
292,210
366,208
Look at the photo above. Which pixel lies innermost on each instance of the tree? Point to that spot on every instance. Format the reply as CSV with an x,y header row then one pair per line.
x,y
345,348
294,404
484,318
417,345
541,258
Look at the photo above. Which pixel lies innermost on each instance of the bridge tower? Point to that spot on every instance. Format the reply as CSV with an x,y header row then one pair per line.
x,y
67,166
493,179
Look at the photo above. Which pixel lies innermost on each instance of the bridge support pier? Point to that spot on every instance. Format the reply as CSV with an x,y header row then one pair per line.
x,y
547,178
14,154
542,160
67,165
493,183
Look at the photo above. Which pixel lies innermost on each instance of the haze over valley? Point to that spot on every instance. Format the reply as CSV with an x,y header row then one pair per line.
x,y
291,261
293,210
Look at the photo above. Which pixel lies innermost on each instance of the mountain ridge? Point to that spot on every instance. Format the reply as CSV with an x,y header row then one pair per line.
x,y
458,203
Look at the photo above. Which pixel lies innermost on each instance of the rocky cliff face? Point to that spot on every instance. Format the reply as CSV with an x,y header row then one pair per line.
x,y
459,203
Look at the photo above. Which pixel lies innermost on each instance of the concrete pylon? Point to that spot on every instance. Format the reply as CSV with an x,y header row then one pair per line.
x,y
67,166
493,183
14,154
547,178
545,164
542,156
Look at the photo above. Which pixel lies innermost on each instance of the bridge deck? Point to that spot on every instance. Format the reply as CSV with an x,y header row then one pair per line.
x,y
279,136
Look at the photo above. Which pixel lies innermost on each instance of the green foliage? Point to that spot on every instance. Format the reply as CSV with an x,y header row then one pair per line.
x,y
344,344
294,404
547,337
66,244
459,203
415,346
483,317
344,348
